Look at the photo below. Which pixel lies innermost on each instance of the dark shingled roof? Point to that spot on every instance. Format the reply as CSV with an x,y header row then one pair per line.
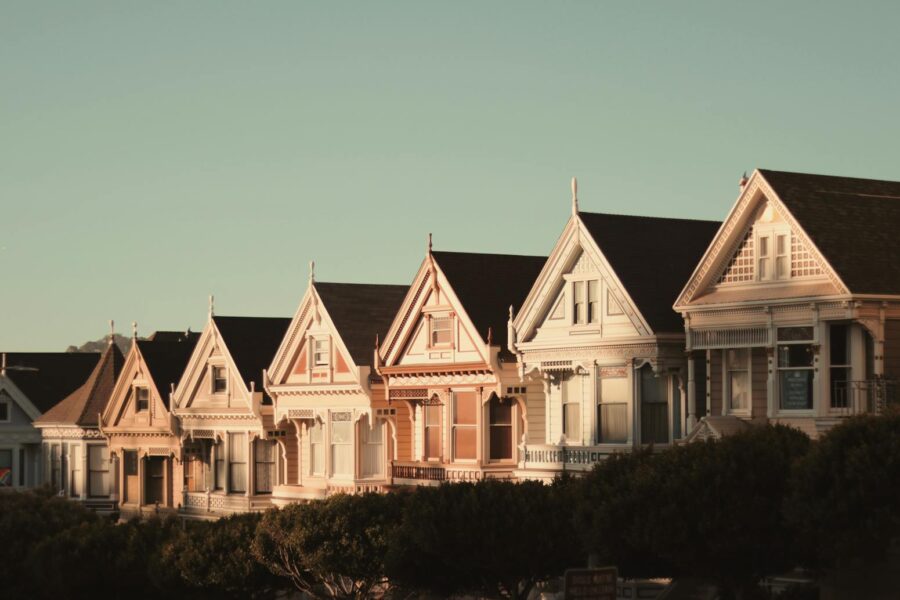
x,y
653,258
252,342
48,377
854,222
83,406
487,284
359,312
166,354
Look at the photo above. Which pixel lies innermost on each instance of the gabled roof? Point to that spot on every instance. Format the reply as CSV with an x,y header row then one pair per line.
x,y
360,311
488,284
48,377
652,257
853,222
252,342
166,354
83,406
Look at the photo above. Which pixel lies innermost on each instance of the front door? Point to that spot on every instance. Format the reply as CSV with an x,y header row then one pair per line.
x,y
155,479
132,483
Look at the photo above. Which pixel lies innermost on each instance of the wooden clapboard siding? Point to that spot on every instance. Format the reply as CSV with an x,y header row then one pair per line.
x,y
714,372
759,378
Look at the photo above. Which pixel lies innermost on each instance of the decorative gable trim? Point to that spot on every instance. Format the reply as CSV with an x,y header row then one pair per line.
x,y
731,236
544,293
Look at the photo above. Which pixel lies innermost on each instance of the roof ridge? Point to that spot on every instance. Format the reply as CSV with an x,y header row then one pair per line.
x,y
648,217
488,254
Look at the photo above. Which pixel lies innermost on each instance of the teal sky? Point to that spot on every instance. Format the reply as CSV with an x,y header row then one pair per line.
x,y
152,153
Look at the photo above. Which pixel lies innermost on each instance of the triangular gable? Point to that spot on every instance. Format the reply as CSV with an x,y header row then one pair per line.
x,y
19,398
195,388
576,253
121,409
733,256
431,297
292,362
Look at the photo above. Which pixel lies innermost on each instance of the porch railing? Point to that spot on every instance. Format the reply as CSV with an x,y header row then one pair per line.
x,y
435,473
556,457
869,396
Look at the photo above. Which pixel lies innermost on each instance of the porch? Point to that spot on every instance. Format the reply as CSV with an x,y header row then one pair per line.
x,y
220,504
425,473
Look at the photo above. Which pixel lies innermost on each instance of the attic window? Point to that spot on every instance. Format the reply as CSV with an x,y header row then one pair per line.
x,y
142,399
321,353
219,380
441,331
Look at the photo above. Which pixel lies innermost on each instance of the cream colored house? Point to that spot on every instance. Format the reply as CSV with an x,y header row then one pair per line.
x,y
336,430
226,420
793,314
600,351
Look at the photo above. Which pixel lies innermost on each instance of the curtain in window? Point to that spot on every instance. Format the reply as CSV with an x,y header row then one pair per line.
x,y
237,462
76,471
342,448
317,448
433,431
572,408
265,466
372,448
465,408
98,476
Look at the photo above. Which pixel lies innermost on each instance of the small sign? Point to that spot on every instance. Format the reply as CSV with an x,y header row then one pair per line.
x,y
591,584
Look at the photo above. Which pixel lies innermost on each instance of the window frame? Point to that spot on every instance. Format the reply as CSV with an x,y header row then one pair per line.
x,y
437,408
321,346
317,448
214,369
492,425
233,462
91,471
137,399
345,421
578,440
450,321
811,343
727,385
457,426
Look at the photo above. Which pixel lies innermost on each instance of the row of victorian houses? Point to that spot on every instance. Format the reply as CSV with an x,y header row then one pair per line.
x,y
633,331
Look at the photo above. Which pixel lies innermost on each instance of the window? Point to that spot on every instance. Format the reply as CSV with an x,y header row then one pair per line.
x,y
795,368
612,411
55,466
654,407
433,429
219,449
737,365
98,471
5,412
219,380
75,479
265,466
317,449
237,462
839,346
321,352
764,258
593,301
6,474
441,331
341,444
465,408
372,449
578,315
196,465
782,253
571,390
501,434
142,395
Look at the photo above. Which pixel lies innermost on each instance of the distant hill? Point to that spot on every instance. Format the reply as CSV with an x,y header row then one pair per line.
x,y
123,342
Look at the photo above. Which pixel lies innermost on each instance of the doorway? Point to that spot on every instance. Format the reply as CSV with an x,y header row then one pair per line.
x,y
154,485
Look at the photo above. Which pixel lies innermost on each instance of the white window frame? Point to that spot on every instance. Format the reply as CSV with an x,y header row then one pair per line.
x,y
454,426
433,330
137,401
317,449
565,401
212,379
321,346
812,342
91,471
579,288
726,384
768,235
345,446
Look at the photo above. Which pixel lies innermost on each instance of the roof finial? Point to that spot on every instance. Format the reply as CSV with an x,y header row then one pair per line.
x,y
3,364
574,196
112,332
212,306
743,181
312,271
134,330
490,336
429,243
511,315
377,342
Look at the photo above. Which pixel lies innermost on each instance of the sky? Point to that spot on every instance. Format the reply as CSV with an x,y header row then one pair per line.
x,y
153,153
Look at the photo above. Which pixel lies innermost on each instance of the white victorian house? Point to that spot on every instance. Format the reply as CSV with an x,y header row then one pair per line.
x,y
598,336
793,314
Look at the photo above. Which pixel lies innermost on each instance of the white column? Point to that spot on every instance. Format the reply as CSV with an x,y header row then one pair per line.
x,y
593,396
548,408
691,394
251,465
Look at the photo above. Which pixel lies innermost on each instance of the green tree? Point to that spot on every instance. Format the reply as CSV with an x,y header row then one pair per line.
x,y
710,509
214,559
494,538
333,548
843,502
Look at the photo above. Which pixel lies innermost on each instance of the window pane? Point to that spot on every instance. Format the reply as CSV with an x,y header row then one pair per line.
x,y
764,246
501,412
579,302
464,408
839,345
795,355
593,306
342,460
315,433
796,389
572,421
739,382
342,432
237,447
464,442
780,244
737,359
432,441
614,423
373,449
795,334
501,442
433,415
